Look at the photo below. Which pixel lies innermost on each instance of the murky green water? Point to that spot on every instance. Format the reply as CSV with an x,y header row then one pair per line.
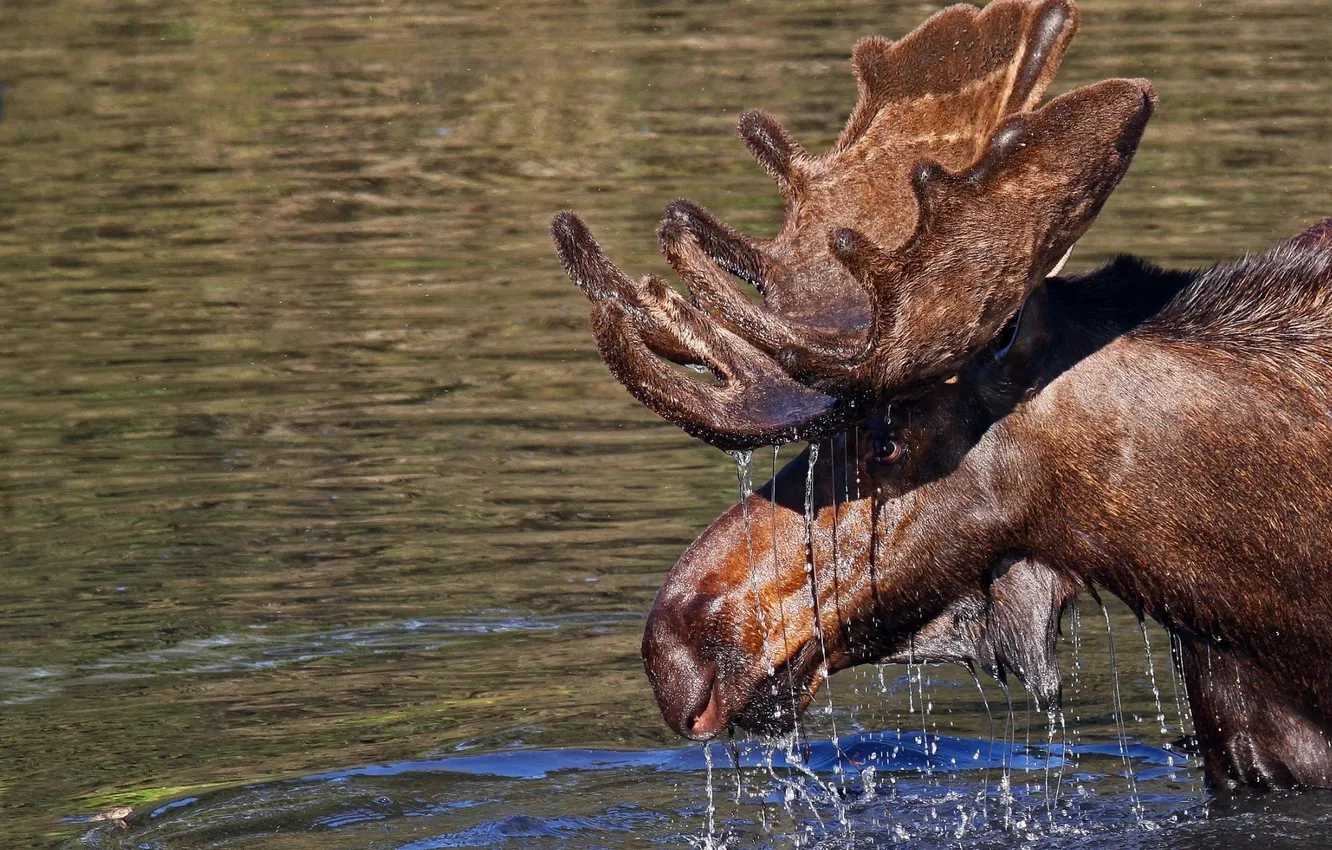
x,y
309,464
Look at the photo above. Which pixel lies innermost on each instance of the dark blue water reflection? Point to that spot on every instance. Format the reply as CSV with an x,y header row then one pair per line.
x,y
895,751
863,789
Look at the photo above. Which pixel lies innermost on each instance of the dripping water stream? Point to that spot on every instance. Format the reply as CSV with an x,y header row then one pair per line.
x,y
1179,686
710,841
793,743
745,477
744,467
1075,628
1151,675
1006,776
1118,708
812,575
836,796
984,796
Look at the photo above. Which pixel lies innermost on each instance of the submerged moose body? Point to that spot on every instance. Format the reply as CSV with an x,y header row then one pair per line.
x,y
987,438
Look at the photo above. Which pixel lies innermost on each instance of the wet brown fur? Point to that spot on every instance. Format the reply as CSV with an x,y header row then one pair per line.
x,y
1184,467
1162,435
1151,446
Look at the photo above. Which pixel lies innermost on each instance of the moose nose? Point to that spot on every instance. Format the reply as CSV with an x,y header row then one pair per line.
x,y
704,721
684,683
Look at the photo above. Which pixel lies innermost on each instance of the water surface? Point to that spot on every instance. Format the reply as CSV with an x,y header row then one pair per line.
x,y
309,463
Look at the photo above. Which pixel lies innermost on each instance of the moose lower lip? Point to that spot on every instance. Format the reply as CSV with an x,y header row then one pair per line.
x,y
778,699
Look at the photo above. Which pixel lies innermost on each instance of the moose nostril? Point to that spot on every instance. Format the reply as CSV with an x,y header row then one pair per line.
x,y
704,720
681,661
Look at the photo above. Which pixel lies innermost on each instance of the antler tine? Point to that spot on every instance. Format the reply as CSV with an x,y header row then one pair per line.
x,y
637,323
690,234
775,149
805,351
733,251
585,263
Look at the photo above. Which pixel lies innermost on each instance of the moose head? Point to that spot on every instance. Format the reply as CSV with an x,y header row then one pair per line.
x,y
887,335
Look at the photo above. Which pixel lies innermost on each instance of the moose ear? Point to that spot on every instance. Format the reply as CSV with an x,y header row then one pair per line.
x,y
1009,371
1026,602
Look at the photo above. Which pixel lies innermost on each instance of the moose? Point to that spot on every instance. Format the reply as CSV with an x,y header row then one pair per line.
x,y
986,437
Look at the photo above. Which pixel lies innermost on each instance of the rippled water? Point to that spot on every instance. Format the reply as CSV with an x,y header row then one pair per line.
x,y
468,801
309,464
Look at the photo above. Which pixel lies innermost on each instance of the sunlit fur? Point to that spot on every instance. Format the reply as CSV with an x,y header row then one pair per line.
x,y
1161,451
1161,435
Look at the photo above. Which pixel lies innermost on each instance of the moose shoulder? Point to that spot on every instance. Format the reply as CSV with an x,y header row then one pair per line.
x,y
1184,466
989,439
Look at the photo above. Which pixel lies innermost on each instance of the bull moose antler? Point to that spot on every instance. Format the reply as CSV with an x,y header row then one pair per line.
x,y
904,249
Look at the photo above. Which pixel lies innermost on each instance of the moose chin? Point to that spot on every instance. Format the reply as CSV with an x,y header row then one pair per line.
x,y
987,438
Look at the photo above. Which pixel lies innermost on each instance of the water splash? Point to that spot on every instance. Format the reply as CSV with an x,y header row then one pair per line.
x,y
792,789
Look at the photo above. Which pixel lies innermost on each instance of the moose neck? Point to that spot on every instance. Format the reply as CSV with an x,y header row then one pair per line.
x,y
1088,311
1096,346
1190,497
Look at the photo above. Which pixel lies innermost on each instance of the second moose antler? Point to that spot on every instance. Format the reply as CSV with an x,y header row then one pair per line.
x,y
904,249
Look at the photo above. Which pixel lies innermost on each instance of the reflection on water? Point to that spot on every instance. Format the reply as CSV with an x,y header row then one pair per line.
x,y
867,788
308,461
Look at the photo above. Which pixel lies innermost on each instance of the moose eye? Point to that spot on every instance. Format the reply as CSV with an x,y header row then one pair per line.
x,y
888,450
